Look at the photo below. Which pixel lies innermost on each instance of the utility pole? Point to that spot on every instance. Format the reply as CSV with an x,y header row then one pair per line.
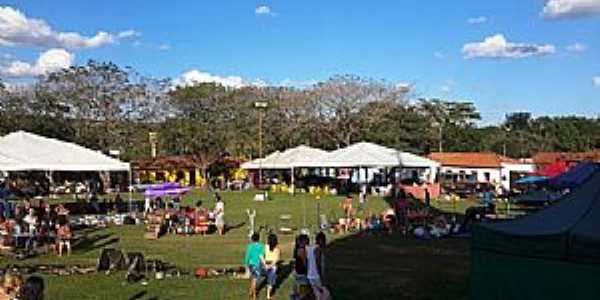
x,y
440,128
441,141
153,138
260,105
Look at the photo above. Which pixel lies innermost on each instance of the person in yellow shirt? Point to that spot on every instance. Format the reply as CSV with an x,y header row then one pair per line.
x,y
272,258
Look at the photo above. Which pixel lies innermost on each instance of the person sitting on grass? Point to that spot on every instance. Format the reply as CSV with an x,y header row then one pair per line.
x,y
61,210
272,257
373,224
11,286
201,218
440,227
389,219
5,233
254,262
33,289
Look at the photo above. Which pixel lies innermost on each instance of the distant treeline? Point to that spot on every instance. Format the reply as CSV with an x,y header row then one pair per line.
x,y
106,107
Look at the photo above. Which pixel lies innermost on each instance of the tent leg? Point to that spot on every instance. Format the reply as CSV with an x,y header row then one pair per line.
x,y
130,189
292,185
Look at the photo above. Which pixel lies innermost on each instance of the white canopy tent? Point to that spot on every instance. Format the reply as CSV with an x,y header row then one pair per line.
x,y
359,155
289,159
7,164
370,155
268,162
23,151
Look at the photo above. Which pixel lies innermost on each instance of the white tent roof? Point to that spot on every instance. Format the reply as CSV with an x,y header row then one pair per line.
x,y
370,155
261,162
21,151
294,157
7,164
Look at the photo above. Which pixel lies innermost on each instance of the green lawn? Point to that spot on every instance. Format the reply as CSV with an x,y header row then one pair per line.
x,y
379,267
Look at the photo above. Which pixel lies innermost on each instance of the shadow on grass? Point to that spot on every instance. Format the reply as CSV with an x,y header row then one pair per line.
x,y
233,227
138,296
394,267
284,272
90,243
141,295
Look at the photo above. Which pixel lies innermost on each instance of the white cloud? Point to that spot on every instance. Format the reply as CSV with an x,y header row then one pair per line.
x,y
288,82
498,47
577,47
128,34
571,8
259,82
439,55
17,30
405,87
477,20
49,61
164,47
448,86
192,77
263,10
596,81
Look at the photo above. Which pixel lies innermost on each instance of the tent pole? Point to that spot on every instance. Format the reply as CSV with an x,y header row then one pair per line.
x,y
304,215
292,185
130,188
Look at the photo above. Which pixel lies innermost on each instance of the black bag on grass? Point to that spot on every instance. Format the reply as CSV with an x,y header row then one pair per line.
x,y
111,259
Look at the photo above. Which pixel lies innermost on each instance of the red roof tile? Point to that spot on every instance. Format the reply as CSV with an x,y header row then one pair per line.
x,y
547,158
470,159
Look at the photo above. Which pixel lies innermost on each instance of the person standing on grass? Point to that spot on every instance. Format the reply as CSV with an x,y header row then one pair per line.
x,y
63,237
362,198
219,213
254,262
147,205
348,211
272,257
315,258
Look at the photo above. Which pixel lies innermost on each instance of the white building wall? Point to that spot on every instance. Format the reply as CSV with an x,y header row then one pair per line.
x,y
507,168
494,176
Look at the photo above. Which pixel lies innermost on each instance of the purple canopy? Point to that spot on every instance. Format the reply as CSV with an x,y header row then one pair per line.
x,y
166,192
159,186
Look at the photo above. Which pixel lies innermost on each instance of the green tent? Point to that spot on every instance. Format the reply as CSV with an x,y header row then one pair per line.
x,y
553,254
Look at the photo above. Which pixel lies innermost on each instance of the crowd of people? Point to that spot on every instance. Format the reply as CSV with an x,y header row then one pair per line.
x,y
263,260
34,228
404,214
188,220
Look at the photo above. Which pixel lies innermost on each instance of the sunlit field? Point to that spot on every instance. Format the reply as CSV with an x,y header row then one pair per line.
x,y
403,267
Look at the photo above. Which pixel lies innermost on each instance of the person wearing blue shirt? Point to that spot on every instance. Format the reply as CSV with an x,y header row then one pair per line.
x,y
255,262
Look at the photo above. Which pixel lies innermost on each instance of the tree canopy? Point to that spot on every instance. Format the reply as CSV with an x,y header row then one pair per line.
x,y
107,107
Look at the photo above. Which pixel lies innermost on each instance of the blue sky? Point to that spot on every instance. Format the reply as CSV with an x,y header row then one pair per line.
x,y
517,58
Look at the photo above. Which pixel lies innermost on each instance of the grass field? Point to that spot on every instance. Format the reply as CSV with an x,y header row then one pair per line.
x,y
358,266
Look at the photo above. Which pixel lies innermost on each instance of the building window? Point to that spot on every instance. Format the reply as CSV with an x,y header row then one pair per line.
x,y
487,176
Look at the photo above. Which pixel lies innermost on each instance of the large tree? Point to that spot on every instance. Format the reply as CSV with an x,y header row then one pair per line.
x,y
340,100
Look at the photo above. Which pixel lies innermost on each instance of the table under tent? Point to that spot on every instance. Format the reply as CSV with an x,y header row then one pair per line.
x,y
26,152
552,254
362,158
